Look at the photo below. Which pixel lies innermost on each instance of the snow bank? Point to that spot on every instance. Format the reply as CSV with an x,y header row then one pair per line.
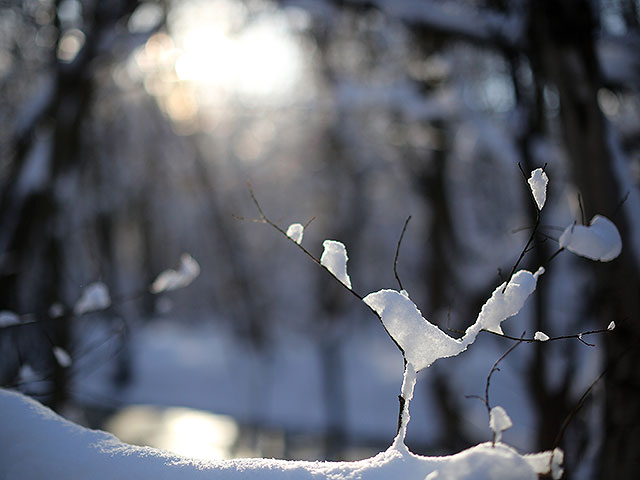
x,y
598,241
36,443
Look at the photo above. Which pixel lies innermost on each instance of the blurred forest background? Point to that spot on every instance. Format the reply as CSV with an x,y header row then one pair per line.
x,y
129,132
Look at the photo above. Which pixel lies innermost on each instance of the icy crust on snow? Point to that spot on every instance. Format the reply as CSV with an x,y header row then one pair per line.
x,y
94,297
295,232
538,184
173,279
505,303
334,258
599,241
37,444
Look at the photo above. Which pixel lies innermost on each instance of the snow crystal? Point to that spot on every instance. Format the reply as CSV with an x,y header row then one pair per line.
x,y
538,184
499,421
541,336
611,326
174,279
504,305
8,318
422,342
295,232
94,297
37,443
334,258
598,241
62,357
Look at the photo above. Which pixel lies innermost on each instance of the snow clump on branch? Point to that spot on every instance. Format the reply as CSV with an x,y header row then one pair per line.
x,y
295,232
174,279
334,258
600,240
538,184
94,297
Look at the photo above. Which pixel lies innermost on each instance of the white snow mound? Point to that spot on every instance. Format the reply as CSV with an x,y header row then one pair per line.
x,y
538,184
37,444
334,258
598,241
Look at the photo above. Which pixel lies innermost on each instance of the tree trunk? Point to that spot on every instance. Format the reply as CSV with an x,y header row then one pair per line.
x,y
563,34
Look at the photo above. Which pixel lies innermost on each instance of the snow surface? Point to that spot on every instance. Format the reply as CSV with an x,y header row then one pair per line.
x,y
598,241
295,232
499,421
334,258
36,443
174,279
94,297
538,184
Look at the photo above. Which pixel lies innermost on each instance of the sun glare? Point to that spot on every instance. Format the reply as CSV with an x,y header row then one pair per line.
x,y
261,60
217,52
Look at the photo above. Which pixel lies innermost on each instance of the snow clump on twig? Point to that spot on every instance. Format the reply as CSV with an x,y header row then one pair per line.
x,y
334,258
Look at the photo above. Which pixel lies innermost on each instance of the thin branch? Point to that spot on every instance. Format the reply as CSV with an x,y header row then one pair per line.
x,y
580,204
268,221
395,259
531,237
620,204
496,369
577,336
586,394
449,329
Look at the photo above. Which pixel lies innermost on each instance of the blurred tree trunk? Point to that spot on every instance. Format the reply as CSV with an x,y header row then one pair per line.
x,y
564,56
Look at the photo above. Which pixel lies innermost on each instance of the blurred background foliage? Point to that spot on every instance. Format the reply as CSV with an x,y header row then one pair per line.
x,y
130,129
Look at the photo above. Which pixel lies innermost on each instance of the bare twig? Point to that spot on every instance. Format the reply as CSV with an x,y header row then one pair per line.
x,y
586,394
531,237
620,204
395,259
268,221
581,205
577,336
496,369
